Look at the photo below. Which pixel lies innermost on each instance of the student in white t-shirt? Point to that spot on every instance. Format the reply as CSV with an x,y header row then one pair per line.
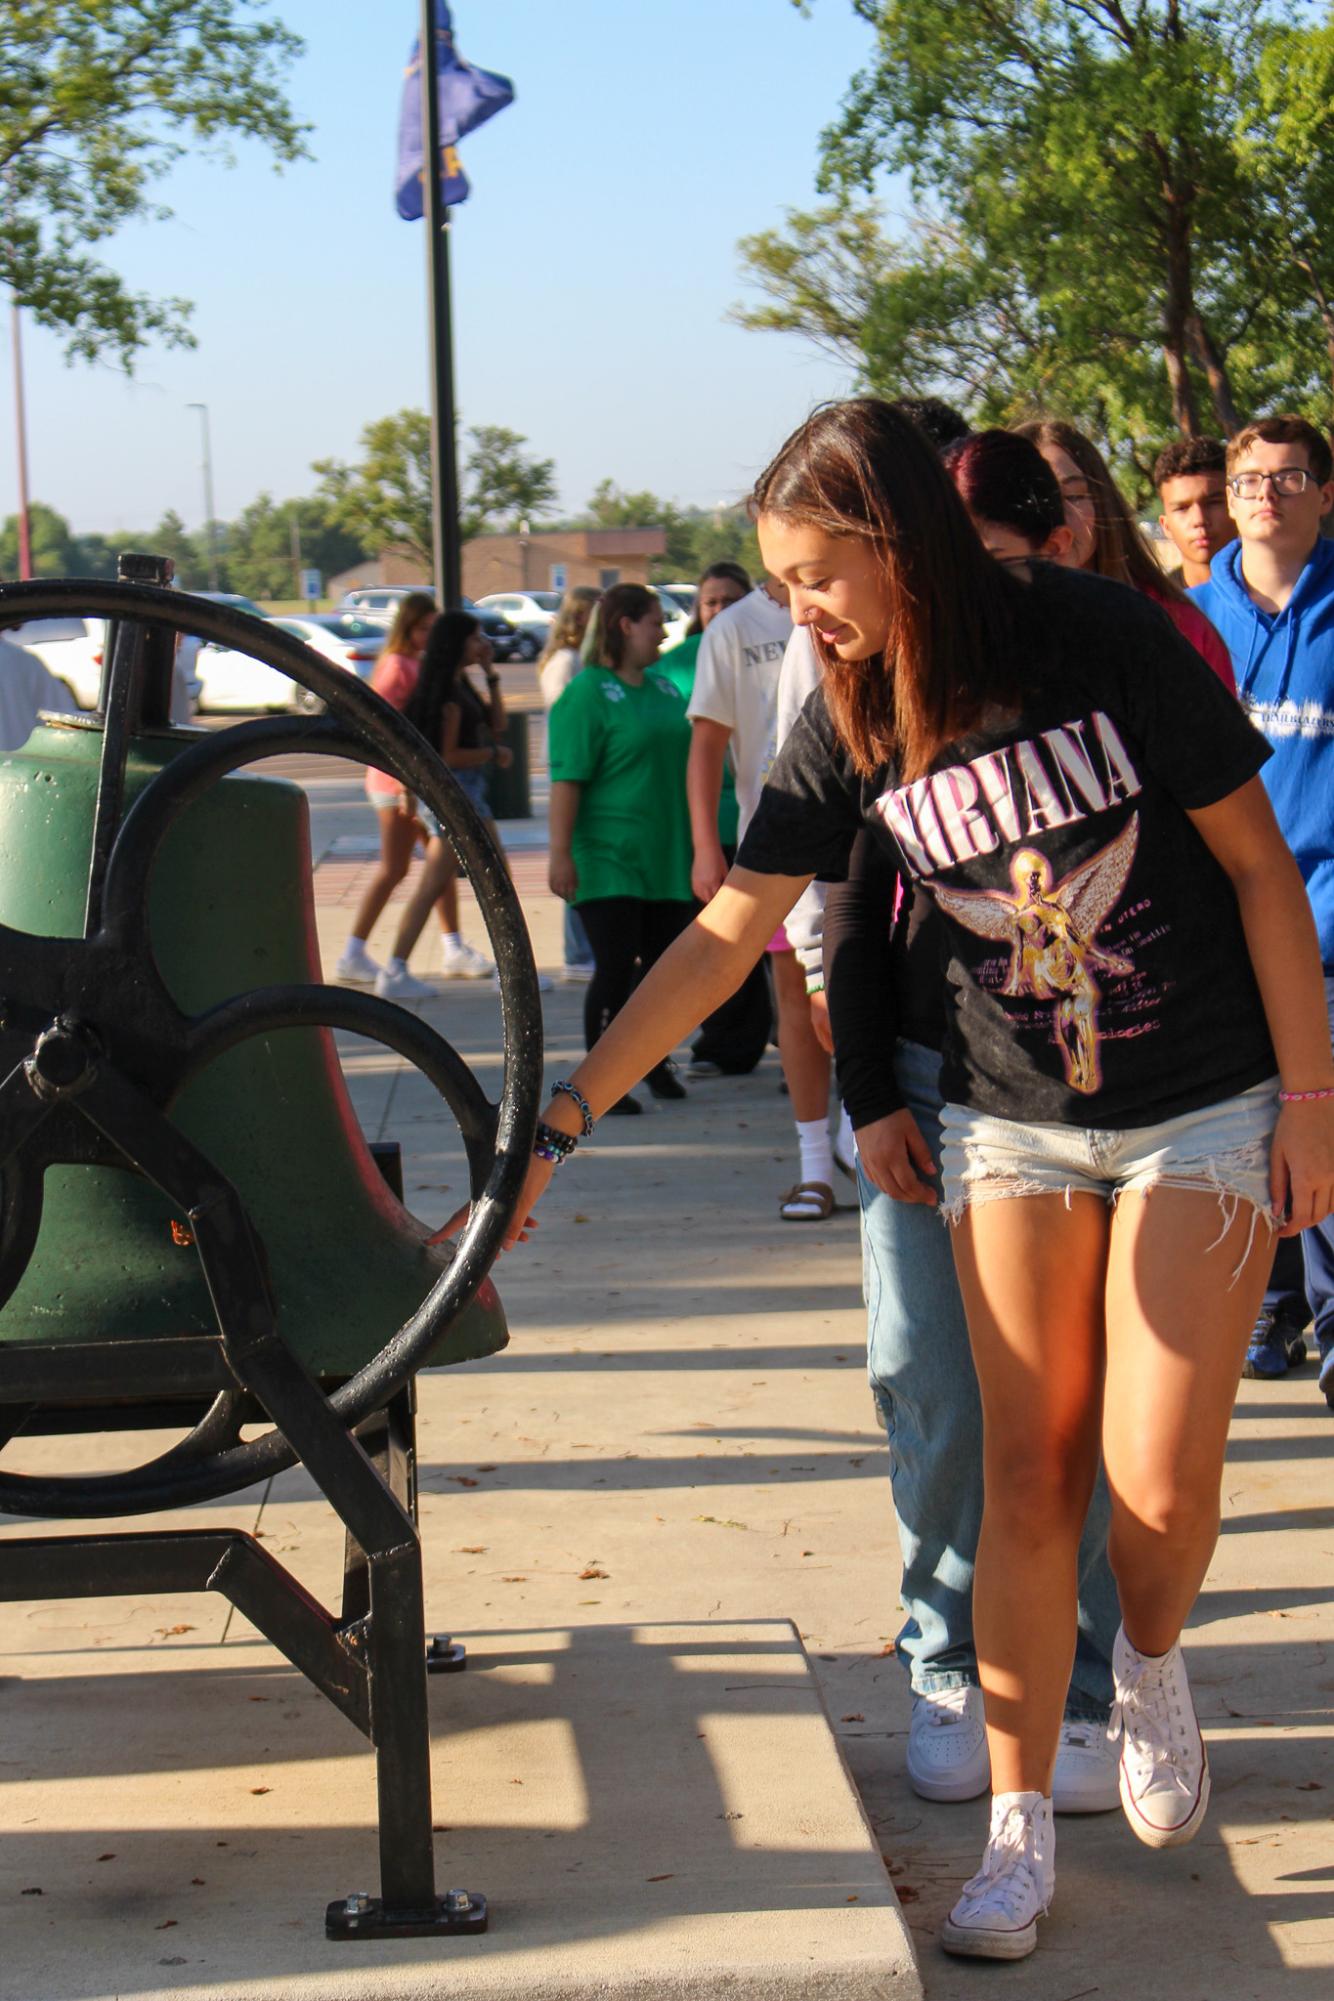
x,y
734,708
26,686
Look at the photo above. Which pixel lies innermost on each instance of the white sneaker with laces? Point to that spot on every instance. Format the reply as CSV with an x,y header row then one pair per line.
x,y
1164,1765
947,1745
356,967
544,982
1086,1778
575,976
396,983
464,962
997,1915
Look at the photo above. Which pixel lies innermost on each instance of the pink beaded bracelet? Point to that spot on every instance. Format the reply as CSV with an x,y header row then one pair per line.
x,y
1301,1097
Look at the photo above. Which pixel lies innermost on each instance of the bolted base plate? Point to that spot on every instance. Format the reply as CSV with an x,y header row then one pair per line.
x,y
458,1911
445,1656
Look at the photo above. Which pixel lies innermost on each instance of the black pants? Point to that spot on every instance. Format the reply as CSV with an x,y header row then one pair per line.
x,y
736,1035
627,936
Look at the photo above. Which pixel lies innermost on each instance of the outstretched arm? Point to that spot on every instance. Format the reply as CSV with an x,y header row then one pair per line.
x,y
706,964
1243,836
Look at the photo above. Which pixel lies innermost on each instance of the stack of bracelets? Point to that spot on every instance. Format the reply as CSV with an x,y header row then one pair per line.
x,y
548,1144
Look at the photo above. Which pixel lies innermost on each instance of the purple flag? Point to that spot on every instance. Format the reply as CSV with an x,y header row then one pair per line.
x,y
468,97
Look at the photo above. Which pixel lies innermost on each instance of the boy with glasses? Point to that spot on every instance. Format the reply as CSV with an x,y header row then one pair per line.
x,y
1191,477
1271,596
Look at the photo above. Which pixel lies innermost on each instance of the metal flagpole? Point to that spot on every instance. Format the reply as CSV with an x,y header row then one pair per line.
x,y
440,335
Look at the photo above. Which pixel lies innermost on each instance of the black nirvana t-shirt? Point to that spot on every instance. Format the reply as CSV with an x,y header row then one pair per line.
x,y
1094,944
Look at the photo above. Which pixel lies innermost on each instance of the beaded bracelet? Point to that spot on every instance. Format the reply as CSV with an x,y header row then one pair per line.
x,y
548,1144
580,1100
1303,1097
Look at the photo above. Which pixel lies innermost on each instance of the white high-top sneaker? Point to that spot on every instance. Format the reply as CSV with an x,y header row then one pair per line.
x,y
1164,1765
997,1915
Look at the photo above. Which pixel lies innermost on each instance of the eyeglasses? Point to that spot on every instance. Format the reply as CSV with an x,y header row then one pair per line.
x,y
1288,480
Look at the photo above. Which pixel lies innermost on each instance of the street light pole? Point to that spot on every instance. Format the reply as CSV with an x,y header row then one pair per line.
x,y
440,334
21,448
210,530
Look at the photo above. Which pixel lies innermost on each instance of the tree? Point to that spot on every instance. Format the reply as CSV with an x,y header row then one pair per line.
x,y
1093,232
54,546
502,486
100,98
385,499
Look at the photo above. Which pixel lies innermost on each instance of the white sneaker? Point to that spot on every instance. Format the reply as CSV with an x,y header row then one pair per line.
x,y
997,1915
1164,1765
396,983
575,976
356,967
462,962
947,1745
1087,1771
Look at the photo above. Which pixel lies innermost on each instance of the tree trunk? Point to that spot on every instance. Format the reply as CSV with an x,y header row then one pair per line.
x,y
1178,302
1215,368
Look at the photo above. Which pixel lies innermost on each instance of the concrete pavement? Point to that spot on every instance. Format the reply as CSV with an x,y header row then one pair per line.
x,y
676,1457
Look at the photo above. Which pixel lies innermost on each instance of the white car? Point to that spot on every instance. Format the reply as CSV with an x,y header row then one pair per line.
x,y
531,613
675,619
341,636
72,649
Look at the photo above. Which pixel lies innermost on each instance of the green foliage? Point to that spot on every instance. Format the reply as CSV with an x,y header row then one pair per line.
x,y
56,550
100,98
695,538
384,501
1122,211
502,485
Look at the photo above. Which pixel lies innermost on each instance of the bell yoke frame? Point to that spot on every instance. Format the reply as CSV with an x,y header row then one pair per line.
x,y
94,1053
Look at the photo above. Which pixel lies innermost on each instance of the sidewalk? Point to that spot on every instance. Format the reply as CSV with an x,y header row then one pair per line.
x,y
676,1456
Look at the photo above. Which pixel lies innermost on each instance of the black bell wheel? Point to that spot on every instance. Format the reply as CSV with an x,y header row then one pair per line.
x,y
83,1014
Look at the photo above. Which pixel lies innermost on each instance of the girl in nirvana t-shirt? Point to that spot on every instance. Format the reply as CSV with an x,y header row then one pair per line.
x,y
1138,1078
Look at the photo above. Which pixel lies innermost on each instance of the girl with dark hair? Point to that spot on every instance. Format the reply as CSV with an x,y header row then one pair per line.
x,y
1012,497
620,831
1138,1076
447,709
1106,539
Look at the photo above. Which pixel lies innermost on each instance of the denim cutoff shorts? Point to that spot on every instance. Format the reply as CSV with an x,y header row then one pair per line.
x,y
1221,1149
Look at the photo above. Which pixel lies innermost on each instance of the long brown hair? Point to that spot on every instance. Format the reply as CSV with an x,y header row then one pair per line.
x,y
416,606
571,621
1119,550
862,469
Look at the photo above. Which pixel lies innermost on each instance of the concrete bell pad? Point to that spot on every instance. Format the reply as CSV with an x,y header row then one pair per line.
x,y
650,1810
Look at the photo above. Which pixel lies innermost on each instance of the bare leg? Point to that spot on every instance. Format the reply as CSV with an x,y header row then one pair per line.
x,y
438,876
398,836
1177,1328
1032,1272
805,1064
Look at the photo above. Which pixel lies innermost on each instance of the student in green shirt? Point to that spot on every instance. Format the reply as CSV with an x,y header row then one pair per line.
x,y
620,826
735,1036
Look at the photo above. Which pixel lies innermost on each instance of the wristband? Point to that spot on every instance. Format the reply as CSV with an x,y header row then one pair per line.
x,y
548,1144
1304,1097
568,1090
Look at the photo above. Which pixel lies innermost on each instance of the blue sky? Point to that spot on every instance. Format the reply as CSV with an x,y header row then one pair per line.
x,y
593,266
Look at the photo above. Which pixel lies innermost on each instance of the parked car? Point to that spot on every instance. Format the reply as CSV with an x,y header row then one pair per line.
x,y
72,649
675,620
685,595
381,599
506,643
532,613
341,636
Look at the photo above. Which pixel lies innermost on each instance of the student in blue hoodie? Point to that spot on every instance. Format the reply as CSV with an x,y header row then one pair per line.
x,y
1271,596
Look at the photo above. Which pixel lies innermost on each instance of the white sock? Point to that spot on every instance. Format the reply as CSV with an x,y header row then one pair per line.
x,y
397,966
452,941
355,948
817,1160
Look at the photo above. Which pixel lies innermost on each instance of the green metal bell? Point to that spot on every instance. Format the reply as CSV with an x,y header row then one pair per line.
x,y
231,908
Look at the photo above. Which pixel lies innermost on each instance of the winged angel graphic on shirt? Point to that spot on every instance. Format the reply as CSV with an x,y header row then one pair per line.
x,y
1051,934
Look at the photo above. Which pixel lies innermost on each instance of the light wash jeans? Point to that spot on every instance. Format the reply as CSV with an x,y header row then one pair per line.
x,y
921,1370
578,951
